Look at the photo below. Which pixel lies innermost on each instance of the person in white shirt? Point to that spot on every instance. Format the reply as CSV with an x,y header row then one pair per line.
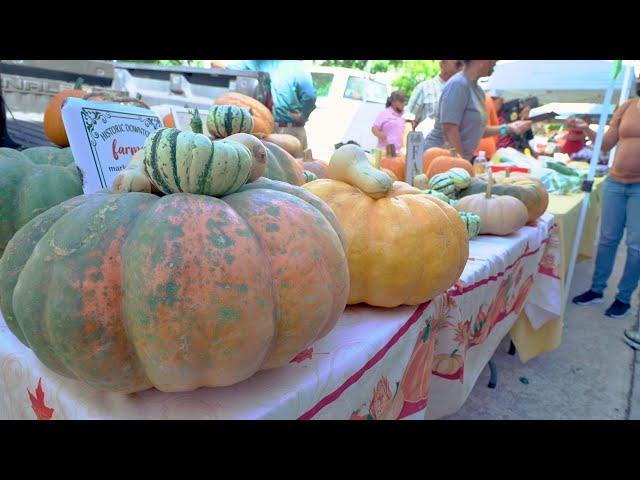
x,y
423,103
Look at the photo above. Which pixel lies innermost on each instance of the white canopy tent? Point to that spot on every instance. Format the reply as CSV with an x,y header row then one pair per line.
x,y
561,80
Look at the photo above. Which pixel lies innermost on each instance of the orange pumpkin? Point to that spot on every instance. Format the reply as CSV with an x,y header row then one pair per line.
x,y
432,153
168,121
53,125
447,364
416,379
396,163
319,167
443,164
287,142
263,122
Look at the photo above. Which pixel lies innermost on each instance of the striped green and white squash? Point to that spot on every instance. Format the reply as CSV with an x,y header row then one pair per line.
x,y
309,176
443,184
472,223
177,161
438,195
460,177
226,120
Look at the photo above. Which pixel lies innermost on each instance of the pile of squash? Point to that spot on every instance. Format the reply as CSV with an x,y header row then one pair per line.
x,y
497,204
218,274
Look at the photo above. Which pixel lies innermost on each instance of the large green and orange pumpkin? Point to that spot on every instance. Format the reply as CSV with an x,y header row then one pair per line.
x,y
131,291
31,182
404,247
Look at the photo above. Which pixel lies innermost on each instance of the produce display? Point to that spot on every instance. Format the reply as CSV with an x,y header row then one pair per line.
x,y
431,154
31,182
404,247
442,182
131,291
287,142
282,166
472,223
439,195
443,164
499,214
460,177
421,181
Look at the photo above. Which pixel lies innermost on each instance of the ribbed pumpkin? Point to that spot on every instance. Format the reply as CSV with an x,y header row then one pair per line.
x,y
282,166
225,120
528,190
438,195
443,164
432,153
177,161
309,176
404,247
421,181
472,223
288,142
263,122
460,177
131,291
499,215
394,162
52,123
442,183
31,182
319,167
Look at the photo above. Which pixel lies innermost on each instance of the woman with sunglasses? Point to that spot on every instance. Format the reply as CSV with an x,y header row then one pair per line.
x,y
461,119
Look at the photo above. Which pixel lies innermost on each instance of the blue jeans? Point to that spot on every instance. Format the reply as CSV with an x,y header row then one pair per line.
x,y
620,209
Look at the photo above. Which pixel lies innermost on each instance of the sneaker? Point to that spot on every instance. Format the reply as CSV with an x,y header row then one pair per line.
x,y
632,338
618,309
588,298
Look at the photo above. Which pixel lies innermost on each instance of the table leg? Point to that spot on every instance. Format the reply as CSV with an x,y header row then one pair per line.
x,y
512,349
494,374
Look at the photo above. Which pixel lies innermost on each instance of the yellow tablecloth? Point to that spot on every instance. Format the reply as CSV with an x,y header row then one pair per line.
x,y
566,210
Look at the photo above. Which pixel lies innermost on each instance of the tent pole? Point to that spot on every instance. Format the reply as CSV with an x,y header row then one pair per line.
x,y
587,191
624,96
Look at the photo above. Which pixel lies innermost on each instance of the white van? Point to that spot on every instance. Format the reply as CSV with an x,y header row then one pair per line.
x,y
348,102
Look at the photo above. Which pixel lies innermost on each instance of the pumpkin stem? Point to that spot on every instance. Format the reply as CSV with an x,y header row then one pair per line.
x,y
391,150
454,352
489,186
78,84
196,121
308,156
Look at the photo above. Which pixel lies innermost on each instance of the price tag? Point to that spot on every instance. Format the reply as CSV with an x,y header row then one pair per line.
x,y
104,136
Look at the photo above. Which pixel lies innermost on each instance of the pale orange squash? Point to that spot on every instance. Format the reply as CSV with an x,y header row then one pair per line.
x,y
445,163
394,162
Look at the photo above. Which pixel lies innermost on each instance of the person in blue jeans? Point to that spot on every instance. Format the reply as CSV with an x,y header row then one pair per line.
x,y
620,210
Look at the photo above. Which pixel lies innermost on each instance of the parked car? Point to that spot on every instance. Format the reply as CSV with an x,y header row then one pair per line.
x,y
348,102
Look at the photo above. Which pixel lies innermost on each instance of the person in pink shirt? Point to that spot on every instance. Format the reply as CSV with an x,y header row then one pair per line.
x,y
389,124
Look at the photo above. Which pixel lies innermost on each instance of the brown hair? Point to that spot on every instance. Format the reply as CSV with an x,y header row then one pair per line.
x,y
397,95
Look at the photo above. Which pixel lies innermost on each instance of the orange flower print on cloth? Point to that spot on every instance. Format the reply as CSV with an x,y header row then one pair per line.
x,y
38,403
522,295
462,334
382,396
549,265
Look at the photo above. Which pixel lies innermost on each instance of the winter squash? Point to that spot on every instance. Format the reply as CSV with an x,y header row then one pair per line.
x,y
442,183
404,247
225,120
528,190
282,166
258,153
499,215
309,176
131,291
263,122
177,161
472,223
460,177
53,124
447,364
421,181
416,379
439,195
31,182
394,162
443,164
432,153
134,178
391,174
288,142
319,167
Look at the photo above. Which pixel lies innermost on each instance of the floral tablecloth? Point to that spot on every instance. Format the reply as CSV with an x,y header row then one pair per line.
x,y
402,363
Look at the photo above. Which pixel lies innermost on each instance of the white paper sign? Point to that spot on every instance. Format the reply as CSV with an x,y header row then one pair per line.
x,y
104,136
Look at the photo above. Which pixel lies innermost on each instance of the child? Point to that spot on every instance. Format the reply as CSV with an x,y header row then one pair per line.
x,y
389,125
